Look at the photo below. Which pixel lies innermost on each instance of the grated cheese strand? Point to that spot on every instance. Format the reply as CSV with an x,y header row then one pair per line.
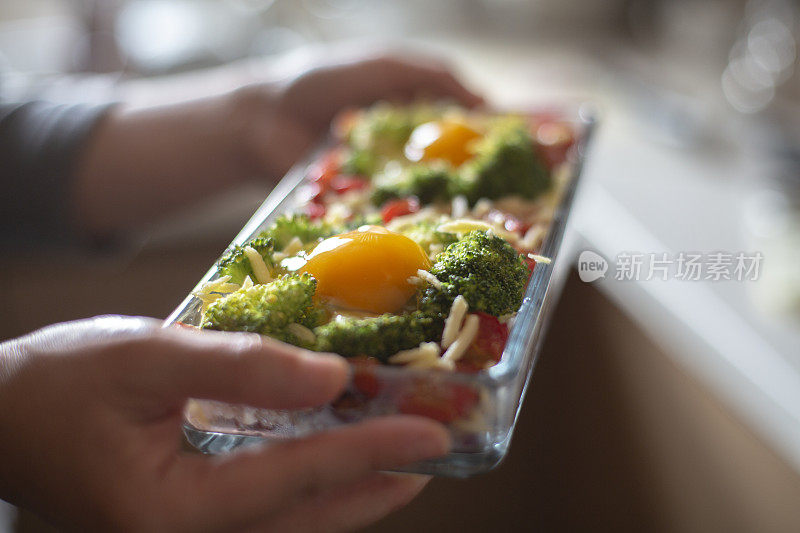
x,y
430,278
211,291
465,225
533,237
259,266
294,246
425,351
540,259
452,324
302,333
247,283
464,339
459,207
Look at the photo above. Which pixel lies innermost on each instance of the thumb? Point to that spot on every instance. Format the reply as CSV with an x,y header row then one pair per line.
x,y
234,367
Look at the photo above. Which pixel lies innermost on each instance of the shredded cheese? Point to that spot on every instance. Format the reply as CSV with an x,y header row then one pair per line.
x,y
540,259
423,352
452,324
465,225
247,283
302,333
424,275
533,237
211,291
482,207
464,339
459,207
505,318
259,266
426,213
294,246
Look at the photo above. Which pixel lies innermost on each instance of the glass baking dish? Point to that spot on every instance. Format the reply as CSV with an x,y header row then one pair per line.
x,y
480,409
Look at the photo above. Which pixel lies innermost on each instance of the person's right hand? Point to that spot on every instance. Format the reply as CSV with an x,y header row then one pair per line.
x,y
90,418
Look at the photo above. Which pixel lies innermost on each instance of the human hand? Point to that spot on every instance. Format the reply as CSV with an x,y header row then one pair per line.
x,y
143,163
90,417
286,118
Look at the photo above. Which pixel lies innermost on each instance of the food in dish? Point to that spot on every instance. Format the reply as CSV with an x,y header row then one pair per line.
x,y
415,245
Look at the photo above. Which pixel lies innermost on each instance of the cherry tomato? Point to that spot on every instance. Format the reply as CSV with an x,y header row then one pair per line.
x,y
364,379
315,210
399,207
490,341
327,168
531,262
343,183
441,402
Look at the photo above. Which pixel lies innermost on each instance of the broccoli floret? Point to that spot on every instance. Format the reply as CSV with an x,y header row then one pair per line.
x,y
379,337
483,268
424,233
430,183
371,219
287,227
380,134
361,162
236,264
267,309
506,163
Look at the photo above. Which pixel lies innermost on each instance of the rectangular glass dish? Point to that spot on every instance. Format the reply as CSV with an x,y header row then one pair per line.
x,y
480,409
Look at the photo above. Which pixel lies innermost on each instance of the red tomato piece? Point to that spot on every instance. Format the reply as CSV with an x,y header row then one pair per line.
x,y
315,210
492,337
442,402
328,166
399,207
364,379
432,408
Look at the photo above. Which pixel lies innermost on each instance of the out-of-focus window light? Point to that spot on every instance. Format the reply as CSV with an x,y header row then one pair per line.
x,y
763,56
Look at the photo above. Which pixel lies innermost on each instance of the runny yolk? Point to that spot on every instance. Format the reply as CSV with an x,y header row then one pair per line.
x,y
367,269
449,140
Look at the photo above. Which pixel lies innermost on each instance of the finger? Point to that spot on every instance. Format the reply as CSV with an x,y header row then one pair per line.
x,y
348,508
443,83
231,367
240,488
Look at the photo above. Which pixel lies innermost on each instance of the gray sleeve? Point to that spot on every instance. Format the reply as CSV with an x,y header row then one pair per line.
x,y
39,146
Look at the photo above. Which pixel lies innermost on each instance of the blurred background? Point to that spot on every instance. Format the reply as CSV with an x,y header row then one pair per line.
x,y
656,405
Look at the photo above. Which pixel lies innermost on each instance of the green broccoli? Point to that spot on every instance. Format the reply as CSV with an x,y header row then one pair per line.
x,y
287,227
430,183
267,309
360,161
379,337
506,163
380,134
371,219
483,268
424,233
236,264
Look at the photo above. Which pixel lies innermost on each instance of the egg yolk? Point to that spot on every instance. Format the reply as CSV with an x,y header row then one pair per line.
x,y
367,269
449,140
